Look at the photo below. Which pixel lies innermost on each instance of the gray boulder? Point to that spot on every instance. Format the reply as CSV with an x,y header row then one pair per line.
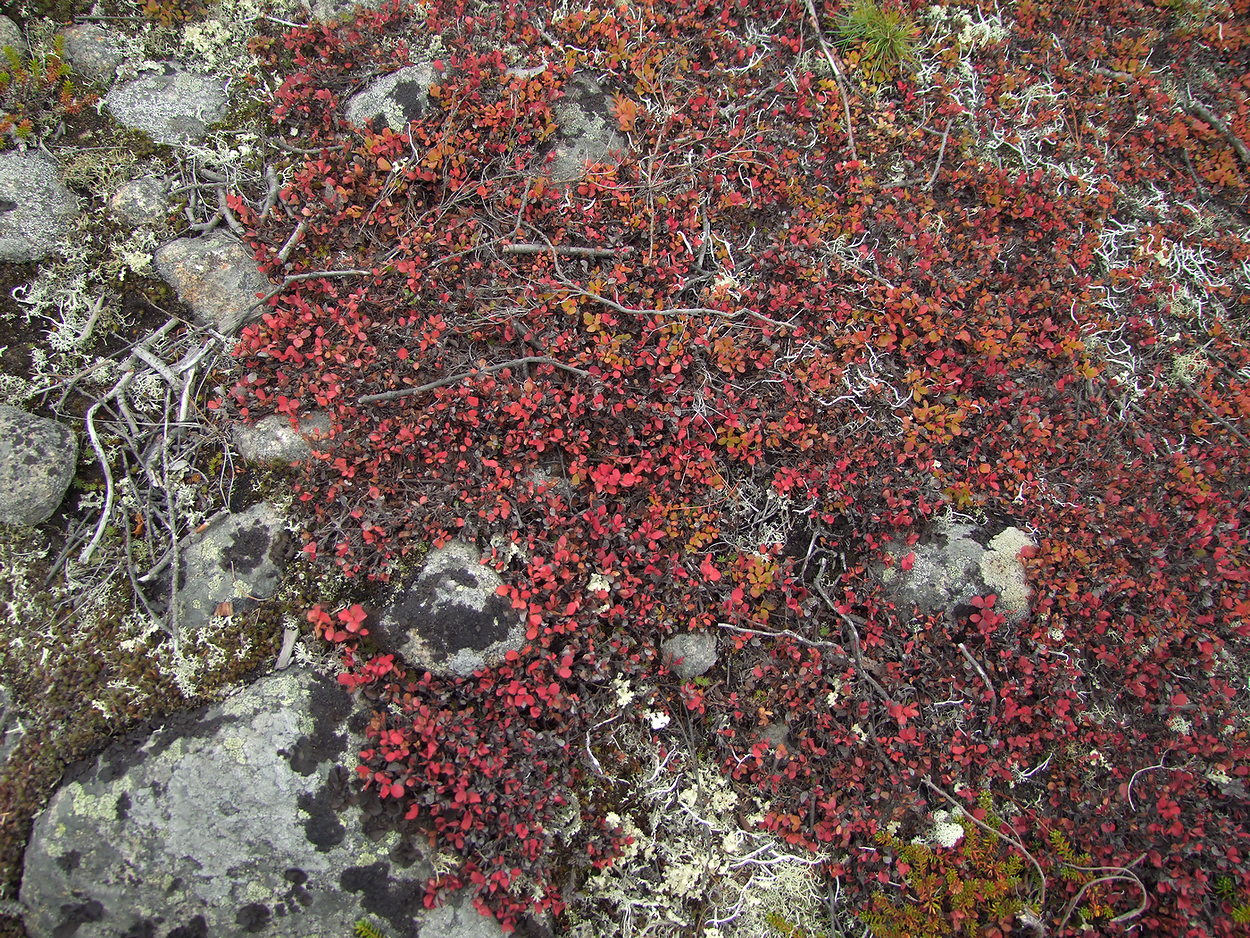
x,y
142,201
93,52
217,277
586,130
272,439
450,619
234,820
35,207
237,559
957,562
397,98
37,461
174,108
690,654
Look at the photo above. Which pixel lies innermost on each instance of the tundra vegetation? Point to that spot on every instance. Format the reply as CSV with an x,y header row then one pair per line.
x,y
853,270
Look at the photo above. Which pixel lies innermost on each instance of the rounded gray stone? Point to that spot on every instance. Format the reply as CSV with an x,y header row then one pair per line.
x,y
690,654
94,52
11,35
271,439
217,277
37,461
141,201
174,108
236,559
35,207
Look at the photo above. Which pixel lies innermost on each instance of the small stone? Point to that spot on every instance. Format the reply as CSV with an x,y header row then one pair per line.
x,y
174,108
93,52
35,207
690,654
217,277
272,439
37,461
141,201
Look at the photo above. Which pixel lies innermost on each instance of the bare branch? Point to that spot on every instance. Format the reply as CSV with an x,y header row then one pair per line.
x,y
489,369
564,249
838,75
1203,112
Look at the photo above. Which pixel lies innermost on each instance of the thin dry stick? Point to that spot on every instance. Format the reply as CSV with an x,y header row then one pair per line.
x,y
1125,875
981,671
567,250
295,238
222,207
452,379
680,311
271,196
1214,415
838,76
853,633
1041,877
1205,113
941,155
839,660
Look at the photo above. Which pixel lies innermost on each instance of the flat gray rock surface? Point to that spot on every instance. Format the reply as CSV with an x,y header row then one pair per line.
x,y
35,207
37,461
227,822
586,131
174,108
217,277
11,35
958,562
450,619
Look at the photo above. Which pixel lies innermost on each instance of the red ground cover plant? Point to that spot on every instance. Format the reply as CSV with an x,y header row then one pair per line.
x,y
1016,284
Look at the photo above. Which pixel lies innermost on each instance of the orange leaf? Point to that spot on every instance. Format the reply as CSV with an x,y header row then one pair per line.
x,y
626,111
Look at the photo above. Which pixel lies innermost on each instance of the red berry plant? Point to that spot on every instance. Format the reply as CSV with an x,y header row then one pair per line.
x,y
794,316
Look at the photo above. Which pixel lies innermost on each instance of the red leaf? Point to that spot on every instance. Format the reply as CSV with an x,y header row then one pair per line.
x,y
708,569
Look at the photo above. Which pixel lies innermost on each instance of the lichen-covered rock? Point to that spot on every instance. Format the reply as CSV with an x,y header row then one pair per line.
x,y
174,108
955,562
94,52
35,207
451,619
237,559
586,132
217,277
37,461
141,201
397,98
231,821
11,35
690,654
272,439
